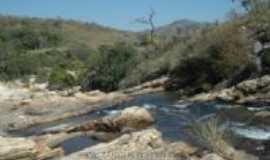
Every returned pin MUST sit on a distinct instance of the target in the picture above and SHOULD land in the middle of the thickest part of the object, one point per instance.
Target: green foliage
(26, 38)
(61, 78)
(229, 47)
(213, 57)
(209, 134)
(257, 19)
(193, 54)
(34, 46)
(266, 61)
(195, 71)
(109, 66)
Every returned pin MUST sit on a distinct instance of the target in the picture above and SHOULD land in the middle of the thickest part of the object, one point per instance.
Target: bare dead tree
(149, 20)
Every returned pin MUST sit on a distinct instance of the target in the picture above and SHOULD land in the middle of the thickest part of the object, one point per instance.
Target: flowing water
(171, 120)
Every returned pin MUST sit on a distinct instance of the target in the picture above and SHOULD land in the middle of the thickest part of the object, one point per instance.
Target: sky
(119, 14)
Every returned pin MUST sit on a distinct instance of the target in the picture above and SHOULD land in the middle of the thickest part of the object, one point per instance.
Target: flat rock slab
(17, 149)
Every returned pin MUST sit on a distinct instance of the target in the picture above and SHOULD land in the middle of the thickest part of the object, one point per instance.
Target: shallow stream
(172, 119)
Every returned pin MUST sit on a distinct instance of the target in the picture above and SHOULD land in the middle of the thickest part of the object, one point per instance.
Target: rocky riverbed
(71, 125)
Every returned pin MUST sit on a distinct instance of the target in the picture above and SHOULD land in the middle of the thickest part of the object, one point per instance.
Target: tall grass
(210, 135)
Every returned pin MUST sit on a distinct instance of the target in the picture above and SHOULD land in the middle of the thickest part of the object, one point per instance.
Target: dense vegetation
(57, 51)
(197, 56)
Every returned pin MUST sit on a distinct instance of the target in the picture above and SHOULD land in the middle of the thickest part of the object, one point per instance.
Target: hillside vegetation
(197, 56)
(53, 49)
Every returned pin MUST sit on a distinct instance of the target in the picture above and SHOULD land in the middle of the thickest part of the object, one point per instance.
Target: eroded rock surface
(146, 144)
(17, 149)
(250, 91)
(26, 149)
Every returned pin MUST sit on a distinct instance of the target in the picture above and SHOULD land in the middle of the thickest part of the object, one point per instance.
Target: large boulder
(134, 117)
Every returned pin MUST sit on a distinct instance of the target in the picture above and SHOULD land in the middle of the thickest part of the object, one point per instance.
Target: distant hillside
(67, 53)
(74, 32)
(179, 25)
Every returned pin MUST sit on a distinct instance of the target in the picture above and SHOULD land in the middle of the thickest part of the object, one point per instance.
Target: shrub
(214, 57)
(266, 61)
(208, 134)
(195, 72)
(109, 67)
(20, 65)
(60, 79)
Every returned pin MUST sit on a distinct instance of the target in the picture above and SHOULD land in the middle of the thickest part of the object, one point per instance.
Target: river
(172, 119)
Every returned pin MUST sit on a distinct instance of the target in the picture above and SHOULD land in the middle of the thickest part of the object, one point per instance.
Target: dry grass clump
(210, 135)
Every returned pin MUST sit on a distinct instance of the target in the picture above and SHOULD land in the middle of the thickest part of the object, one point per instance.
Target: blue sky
(119, 13)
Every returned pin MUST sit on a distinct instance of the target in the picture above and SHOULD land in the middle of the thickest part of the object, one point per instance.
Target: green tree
(109, 66)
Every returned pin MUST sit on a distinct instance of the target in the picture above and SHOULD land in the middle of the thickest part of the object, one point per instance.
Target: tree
(257, 22)
(109, 66)
(149, 20)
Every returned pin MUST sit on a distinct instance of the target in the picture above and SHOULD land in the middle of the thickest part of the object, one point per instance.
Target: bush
(60, 79)
(109, 66)
(195, 72)
(214, 57)
(25, 38)
(266, 61)
(20, 65)
(210, 135)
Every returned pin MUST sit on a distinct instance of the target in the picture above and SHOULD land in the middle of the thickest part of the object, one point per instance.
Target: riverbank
(51, 115)
(22, 107)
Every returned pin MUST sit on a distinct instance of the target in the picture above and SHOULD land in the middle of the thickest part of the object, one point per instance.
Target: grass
(209, 135)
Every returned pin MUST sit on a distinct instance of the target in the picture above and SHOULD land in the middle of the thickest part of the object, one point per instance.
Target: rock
(55, 140)
(97, 96)
(95, 93)
(263, 114)
(229, 95)
(203, 97)
(241, 155)
(24, 102)
(51, 154)
(128, 119)
(102, 136)
(156, 85)
(141, 144)
(255, 90)
(115, 95)
(264, 81)
(38, 87)
(262, 117)
(26, 149)
(248, 87)
(212, 157)
(134, 117)
(182, 149)
(17, 149)
(254, 85)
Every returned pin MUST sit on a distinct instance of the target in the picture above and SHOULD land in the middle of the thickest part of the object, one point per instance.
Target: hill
(197, 56)
(73, 32)
(36, 46)
(52, 49)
